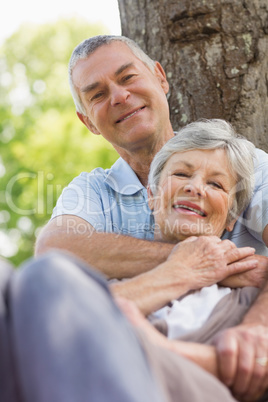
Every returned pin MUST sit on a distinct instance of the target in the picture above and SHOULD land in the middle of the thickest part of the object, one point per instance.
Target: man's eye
(97, 95)
(128, 77)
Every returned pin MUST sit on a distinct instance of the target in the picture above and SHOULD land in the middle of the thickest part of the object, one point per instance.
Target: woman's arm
(203, 355)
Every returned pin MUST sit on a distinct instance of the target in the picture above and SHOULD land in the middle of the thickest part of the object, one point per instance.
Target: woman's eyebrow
(182, 162)
(191, 166)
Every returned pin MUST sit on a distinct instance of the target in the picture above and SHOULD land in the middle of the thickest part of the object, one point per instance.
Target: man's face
(124, 101)
(195, 193)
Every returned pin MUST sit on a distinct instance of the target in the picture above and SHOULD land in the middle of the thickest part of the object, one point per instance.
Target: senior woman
(199, 183)
(206, 163)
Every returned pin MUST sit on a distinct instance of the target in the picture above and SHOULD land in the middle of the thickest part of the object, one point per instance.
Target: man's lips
(128, 115)
(190, 207)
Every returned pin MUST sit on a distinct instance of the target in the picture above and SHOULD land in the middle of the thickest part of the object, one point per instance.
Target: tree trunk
(215, 54)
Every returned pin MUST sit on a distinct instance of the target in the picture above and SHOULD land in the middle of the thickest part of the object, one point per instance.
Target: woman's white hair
(212, 134)
(88, 46)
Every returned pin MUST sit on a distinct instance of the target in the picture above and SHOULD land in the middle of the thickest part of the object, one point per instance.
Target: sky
(16, 12)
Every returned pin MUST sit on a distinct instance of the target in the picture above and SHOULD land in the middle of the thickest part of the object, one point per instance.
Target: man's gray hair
(88, 46)
(212, 134)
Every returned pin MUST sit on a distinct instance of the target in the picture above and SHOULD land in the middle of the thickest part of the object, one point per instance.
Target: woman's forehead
(193, 158)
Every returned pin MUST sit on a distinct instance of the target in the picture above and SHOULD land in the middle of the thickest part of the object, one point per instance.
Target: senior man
(103, 217)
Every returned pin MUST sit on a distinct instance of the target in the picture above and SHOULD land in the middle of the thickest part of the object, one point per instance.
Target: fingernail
(227, 382)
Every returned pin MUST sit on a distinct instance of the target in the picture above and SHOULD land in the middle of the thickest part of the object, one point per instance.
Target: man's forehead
(109, 52)
(109, 59)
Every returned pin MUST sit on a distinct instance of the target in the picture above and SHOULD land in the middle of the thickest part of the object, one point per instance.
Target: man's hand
(198, 262)
(242, 354)
(256, 277)
(192, 264)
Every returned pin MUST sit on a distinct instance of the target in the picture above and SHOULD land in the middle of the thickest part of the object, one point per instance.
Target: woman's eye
(181, 174)
(216, 185)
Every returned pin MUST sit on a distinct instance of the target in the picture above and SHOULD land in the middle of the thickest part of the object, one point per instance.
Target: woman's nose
(195, 188)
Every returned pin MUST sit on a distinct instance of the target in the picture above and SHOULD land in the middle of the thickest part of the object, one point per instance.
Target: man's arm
(256, 277)
(193, 264)
(265, 235)
(116, 256)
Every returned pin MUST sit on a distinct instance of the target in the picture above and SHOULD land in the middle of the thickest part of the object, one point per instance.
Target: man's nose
(118, 94)
(195, 187)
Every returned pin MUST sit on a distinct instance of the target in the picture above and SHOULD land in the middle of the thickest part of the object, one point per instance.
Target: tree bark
(215, 54)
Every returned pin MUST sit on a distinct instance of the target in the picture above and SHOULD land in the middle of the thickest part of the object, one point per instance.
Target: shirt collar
(122, 179)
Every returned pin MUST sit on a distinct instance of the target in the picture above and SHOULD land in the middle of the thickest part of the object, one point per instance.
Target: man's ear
(161, 75)
(150, 198)
(230, 225)
(85, 120)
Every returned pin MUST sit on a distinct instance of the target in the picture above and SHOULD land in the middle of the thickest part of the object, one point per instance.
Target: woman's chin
(176, 232)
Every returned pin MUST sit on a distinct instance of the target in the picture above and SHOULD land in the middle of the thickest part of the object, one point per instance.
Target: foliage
(42, 143)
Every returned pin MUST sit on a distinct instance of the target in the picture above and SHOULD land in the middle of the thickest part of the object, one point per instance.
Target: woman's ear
(150, 198)
(230, 225)
(85, 120)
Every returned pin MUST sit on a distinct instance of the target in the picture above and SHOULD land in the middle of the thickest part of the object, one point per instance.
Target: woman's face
(195, 193)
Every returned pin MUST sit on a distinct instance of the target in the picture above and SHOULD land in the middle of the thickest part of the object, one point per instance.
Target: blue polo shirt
(111, 200)
(115, 201)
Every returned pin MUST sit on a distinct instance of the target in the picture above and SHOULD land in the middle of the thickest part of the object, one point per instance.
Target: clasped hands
(242, 356)
(240, 352)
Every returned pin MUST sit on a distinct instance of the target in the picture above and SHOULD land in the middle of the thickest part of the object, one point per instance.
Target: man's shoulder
(261, 168)
(99, 173)
(261, 159)
(119, 178)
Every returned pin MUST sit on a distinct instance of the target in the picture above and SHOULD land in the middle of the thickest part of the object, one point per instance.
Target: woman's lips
(189, 208)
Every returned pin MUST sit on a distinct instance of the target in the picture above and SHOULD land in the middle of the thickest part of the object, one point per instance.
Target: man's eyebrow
(94, 85)
(123, 68)
(90, 87)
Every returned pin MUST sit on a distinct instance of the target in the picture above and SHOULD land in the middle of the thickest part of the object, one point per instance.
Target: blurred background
(43, 145)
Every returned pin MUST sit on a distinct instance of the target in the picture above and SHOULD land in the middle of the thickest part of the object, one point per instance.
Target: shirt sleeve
(83, 197)
(256, 215)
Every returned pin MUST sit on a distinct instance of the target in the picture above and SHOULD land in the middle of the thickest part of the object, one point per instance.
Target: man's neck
(141, 158)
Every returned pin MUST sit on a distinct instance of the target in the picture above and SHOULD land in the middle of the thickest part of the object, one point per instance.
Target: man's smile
(128, 115)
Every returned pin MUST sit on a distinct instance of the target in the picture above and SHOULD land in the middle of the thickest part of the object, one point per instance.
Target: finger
(245, 368)
(258, 383)
(236, 254)
(242, 266)
(259, 377)
(227, 354)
